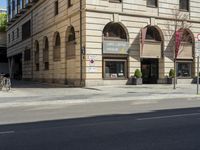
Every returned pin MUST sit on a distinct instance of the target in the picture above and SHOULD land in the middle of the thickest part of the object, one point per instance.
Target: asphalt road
(175, 129)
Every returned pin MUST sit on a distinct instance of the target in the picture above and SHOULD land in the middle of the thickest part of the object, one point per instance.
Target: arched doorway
(185, 55)
(115, 51)
(46, 53)
(37, 51)
(70, 55)
(57, 47)
(151, 54)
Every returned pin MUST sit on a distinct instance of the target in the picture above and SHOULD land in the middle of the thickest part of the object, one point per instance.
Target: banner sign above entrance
(115, 47)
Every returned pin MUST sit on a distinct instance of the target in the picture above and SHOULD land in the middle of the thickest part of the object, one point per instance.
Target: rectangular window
(152, 3)
(115, 1)
(27, 55)
(13, 36)
(184, 5)
(69, 3)
(8, 38)
(184, 69)
(56, 8)
(17, 32)
(46, 66)
(37, 66)
(26, 30)
(115, 68)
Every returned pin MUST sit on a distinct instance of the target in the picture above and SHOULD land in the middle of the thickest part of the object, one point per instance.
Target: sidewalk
(29, 93)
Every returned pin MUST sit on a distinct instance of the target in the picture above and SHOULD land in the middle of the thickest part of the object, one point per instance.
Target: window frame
(27, 54)
(13, 35)
(115, 1)
(56, 8)
(153, 6)
(26, 30)
(115, 60)
(183, 9)
(57, 47)
(190, 63)
(69, 3)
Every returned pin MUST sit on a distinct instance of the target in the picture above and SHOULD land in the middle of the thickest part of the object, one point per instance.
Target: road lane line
(7, 132)
(169, 116)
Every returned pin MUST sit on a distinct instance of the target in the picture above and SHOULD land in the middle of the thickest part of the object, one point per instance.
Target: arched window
(70, 42)
(153, 34)
(114, 31)
(56, 52)
(186, 36)
(37, 49)
(46, 54)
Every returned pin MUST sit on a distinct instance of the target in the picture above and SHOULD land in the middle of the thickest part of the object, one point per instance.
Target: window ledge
(152, 6)
(184, 10)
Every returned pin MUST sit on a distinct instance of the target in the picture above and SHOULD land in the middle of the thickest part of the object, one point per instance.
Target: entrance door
(149, 68)
(17, 69)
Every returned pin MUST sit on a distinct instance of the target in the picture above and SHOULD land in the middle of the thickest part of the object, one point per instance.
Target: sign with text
(115, 47)
(197, 48)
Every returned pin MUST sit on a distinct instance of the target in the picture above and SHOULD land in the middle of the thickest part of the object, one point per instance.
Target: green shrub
(138, 73)
(171, 73)
(3, 22)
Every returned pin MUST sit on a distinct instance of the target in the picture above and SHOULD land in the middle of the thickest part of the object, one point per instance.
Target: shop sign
(115, 47)
(92, 69)
(91, 60)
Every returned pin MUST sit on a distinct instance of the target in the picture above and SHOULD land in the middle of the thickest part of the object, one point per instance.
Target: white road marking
(169, 116)
(7, 132)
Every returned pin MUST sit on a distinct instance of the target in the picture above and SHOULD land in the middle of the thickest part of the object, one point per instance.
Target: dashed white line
(169, 116)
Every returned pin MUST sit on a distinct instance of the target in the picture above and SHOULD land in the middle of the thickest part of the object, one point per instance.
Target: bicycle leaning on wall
(5, 83)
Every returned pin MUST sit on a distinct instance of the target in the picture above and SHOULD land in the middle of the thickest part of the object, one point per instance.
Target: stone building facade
(100, 42)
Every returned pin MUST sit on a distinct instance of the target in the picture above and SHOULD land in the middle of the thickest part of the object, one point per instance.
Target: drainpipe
(81, 48)
(32, 43)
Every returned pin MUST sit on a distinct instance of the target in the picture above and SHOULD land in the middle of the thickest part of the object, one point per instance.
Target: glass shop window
(184, 69)
(115, 69)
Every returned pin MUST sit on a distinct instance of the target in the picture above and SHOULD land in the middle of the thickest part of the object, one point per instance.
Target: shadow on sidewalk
(31, 84)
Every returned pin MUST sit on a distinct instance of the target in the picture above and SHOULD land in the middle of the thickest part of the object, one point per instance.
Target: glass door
(149, 68)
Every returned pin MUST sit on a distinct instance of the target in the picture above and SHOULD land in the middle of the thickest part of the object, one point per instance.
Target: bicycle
(5, 83)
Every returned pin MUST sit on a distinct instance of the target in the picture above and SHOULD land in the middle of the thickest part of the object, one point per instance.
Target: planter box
(136, 81)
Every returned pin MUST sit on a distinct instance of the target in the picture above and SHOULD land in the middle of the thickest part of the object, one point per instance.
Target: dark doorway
(149, 68)
(17, 67)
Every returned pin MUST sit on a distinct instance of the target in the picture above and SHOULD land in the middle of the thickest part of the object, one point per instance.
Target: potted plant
(195, 79)
(170, 79)
(137, 79)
